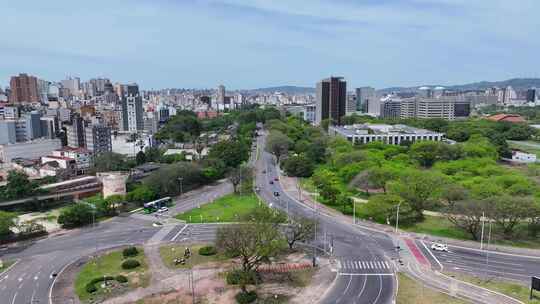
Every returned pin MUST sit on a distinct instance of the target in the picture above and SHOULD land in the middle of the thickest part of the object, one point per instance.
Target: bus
(154, 206)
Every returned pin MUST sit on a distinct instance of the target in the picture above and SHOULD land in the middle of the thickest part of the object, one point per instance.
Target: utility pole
(487, 249)
(482, 236)
(354, 212)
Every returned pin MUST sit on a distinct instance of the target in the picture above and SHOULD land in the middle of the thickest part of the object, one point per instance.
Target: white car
(163, 209)
(439, 247)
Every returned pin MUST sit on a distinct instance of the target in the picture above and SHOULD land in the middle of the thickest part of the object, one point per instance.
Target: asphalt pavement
(483, 263)
(363, 258)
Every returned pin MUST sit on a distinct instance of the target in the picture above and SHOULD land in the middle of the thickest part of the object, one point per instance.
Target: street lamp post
(396, 230)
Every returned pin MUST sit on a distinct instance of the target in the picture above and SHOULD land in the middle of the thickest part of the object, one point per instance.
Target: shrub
(235, 277)
(91, 288)
(207, 250)
(130, 252)
(130, 264)
(121, 279)
(246, 297)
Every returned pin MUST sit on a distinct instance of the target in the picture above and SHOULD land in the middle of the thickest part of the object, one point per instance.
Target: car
(163, 209)
(264, 171)
(439, 247)
(271, 182)
(257, 189)
(276, 193)
(276, 179)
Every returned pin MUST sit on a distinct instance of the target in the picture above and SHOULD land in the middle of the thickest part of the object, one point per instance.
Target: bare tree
(467, 215)
(239, 175)
(300, 229)
(253, 243)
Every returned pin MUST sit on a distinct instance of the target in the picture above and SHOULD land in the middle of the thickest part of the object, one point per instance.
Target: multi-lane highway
(364, 259)
(483, 263)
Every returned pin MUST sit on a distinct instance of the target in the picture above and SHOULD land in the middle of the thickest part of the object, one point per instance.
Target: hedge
(130, 252)
(121, 279)
(246, 297)
(130, 264)
(207, 250)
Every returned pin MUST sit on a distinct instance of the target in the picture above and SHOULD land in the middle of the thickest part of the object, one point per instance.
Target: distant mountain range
(291, 90)
(516, 83)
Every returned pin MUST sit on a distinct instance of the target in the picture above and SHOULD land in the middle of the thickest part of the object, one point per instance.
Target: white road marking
(14, 297)
(339, 264)
(348, 285)
(365, 274)
(179, 232)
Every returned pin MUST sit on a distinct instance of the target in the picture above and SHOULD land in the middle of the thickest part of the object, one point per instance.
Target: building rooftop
(380, 129)
(506, 117)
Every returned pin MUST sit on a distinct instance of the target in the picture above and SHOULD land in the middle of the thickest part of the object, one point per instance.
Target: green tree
(110, 161)
(7, 221)
(165, 181)
(378, 177)
(382, 208)
(141, 194)
(419, 189)
(278, 144)
(231, 152)
(76, 215)
(298, 165)
(140, 158)
(18, 185)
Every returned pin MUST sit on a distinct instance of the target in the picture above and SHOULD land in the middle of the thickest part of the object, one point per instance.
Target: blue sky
(258, 43)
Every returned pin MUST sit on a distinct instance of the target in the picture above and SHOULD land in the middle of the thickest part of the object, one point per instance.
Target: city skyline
(258, 44)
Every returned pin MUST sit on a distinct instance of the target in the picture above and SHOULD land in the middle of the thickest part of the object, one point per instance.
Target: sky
(259, 43)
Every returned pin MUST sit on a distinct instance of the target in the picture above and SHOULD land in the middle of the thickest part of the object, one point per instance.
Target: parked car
(276, 179)
(271, 182)
(276, 193)
(163, 209)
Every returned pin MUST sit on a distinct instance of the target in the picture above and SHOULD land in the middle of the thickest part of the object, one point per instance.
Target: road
(29, 281)
(481, 263)
(363, 257)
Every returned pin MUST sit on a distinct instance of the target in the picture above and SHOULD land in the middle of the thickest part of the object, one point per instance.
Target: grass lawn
(410, 292)
(437, 226)
(225, 209)
(520, 292)
(169, 252)
(110, 265)
(6, 265)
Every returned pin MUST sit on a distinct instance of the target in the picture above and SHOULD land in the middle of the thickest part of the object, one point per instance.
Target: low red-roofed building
(507, 118)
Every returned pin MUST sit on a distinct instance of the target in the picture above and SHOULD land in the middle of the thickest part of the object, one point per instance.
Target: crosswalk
(363, 265)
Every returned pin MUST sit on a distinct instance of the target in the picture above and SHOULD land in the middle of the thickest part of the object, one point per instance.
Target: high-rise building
(33, 125)
(331, 100)
(75, 132)
(531, 95)
(390, 109)
(73, 84)
(7, 132)
(221, 94)
(49, 126)
(351, 104)
(132, 109)
(98, 138)
(364, 96)
(24, 89)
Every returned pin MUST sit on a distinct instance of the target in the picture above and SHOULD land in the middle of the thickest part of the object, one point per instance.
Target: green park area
(442, 189)
(229, 208)
(412, 292)
(112, 274)
(514, 290)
